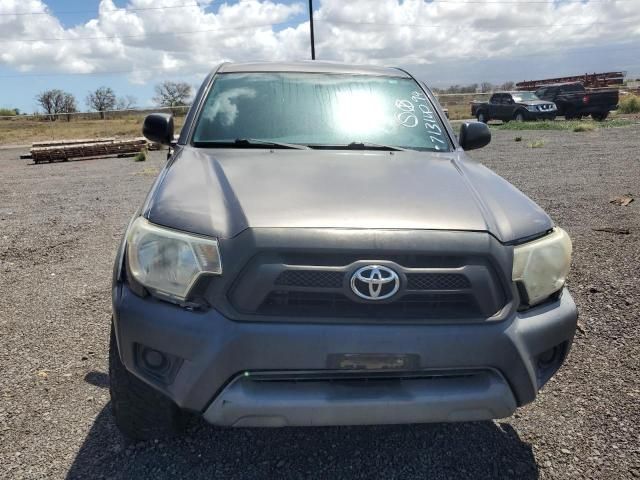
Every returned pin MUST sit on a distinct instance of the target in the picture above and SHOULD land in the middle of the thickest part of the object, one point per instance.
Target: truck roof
(311, 66)
(512, 92)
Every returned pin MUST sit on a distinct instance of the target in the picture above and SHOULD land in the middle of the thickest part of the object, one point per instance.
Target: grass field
(23, 131)
(459, 112)
(573, 125)
(19, 131)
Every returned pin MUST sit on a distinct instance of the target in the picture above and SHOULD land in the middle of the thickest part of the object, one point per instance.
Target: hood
(536, 102)
(221, 192)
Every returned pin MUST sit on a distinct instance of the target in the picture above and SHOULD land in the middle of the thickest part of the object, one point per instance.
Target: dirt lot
(59, 228)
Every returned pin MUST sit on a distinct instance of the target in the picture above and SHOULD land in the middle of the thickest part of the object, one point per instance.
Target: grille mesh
(310, 278)
(437, 281)
(331, 279)
(315, 304)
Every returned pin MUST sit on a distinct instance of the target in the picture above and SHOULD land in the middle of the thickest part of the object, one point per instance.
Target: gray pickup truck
(319, 250)
(518, 106)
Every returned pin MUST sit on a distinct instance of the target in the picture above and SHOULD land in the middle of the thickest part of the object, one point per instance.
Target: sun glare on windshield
(360, 113)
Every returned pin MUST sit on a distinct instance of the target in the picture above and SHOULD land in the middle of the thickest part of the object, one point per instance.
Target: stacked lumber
(89, 149)
(589, 80)
(60, 143)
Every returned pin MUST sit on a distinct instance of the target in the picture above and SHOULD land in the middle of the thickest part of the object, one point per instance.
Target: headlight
(541, 266)
(532, 108)
(168, 262)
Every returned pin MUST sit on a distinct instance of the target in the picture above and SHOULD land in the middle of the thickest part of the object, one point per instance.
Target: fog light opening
(154, 359)
(549, 361)
(546, 359)
(157, 365)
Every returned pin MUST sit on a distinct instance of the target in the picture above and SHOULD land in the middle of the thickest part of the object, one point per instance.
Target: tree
(101, 100)
(486, 87)
(508, 85)
(68, 105)
(473, 88)
(126, 102)
(172, 94)
(55, 102)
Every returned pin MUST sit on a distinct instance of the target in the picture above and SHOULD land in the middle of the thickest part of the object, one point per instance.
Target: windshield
(525, 97)
(320, 109)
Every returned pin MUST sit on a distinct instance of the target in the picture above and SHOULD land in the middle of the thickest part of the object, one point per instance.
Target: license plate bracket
(373, 361)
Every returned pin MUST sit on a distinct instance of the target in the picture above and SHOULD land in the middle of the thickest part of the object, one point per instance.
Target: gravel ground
(59, 228)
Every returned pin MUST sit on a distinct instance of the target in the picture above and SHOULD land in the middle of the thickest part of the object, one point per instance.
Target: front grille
(331, 304)
(312, 285)
(437, 281)
(310, 278)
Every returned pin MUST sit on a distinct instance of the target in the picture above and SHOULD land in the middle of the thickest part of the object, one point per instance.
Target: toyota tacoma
(319, 250)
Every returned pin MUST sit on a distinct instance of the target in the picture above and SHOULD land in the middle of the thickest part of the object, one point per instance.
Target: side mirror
(158, 128)
(474, 135)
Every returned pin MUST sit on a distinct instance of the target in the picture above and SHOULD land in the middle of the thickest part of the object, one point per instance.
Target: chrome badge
(375, 282)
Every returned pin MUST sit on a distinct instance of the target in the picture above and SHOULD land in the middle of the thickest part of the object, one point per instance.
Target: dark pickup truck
(574, 101)
(519, 106)
(320, 250)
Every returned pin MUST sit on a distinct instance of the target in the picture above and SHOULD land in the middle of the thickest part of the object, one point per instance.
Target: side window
(495, 98)
(508, 99)
(540, 93)
(574, 87)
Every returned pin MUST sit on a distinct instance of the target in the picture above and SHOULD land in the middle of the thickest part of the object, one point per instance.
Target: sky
(80, 45)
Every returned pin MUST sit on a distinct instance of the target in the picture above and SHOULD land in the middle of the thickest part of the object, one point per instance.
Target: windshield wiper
(360, 146)
(248, 143)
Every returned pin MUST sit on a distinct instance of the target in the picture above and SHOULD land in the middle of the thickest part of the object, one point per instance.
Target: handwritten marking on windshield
(408, 116)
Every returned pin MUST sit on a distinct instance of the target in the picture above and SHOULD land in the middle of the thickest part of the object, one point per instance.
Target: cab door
(508, 107)
(501, 106)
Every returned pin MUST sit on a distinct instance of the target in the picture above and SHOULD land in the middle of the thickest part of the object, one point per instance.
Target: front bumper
(276, 402)
(462, 371)
(540, 115)
(589, 109)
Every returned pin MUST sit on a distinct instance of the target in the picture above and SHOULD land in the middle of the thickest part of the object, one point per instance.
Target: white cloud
(154, 41)
(446, 31)
(142, 40)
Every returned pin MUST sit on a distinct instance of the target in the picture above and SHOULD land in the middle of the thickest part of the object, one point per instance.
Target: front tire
(519, 117)
(599, 116)
(141, 412)
(482, 117)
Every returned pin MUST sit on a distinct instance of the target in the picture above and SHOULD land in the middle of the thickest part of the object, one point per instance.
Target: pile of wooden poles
(64, 150)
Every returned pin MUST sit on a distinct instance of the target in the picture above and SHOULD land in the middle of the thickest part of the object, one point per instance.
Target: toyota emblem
(375, 282)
